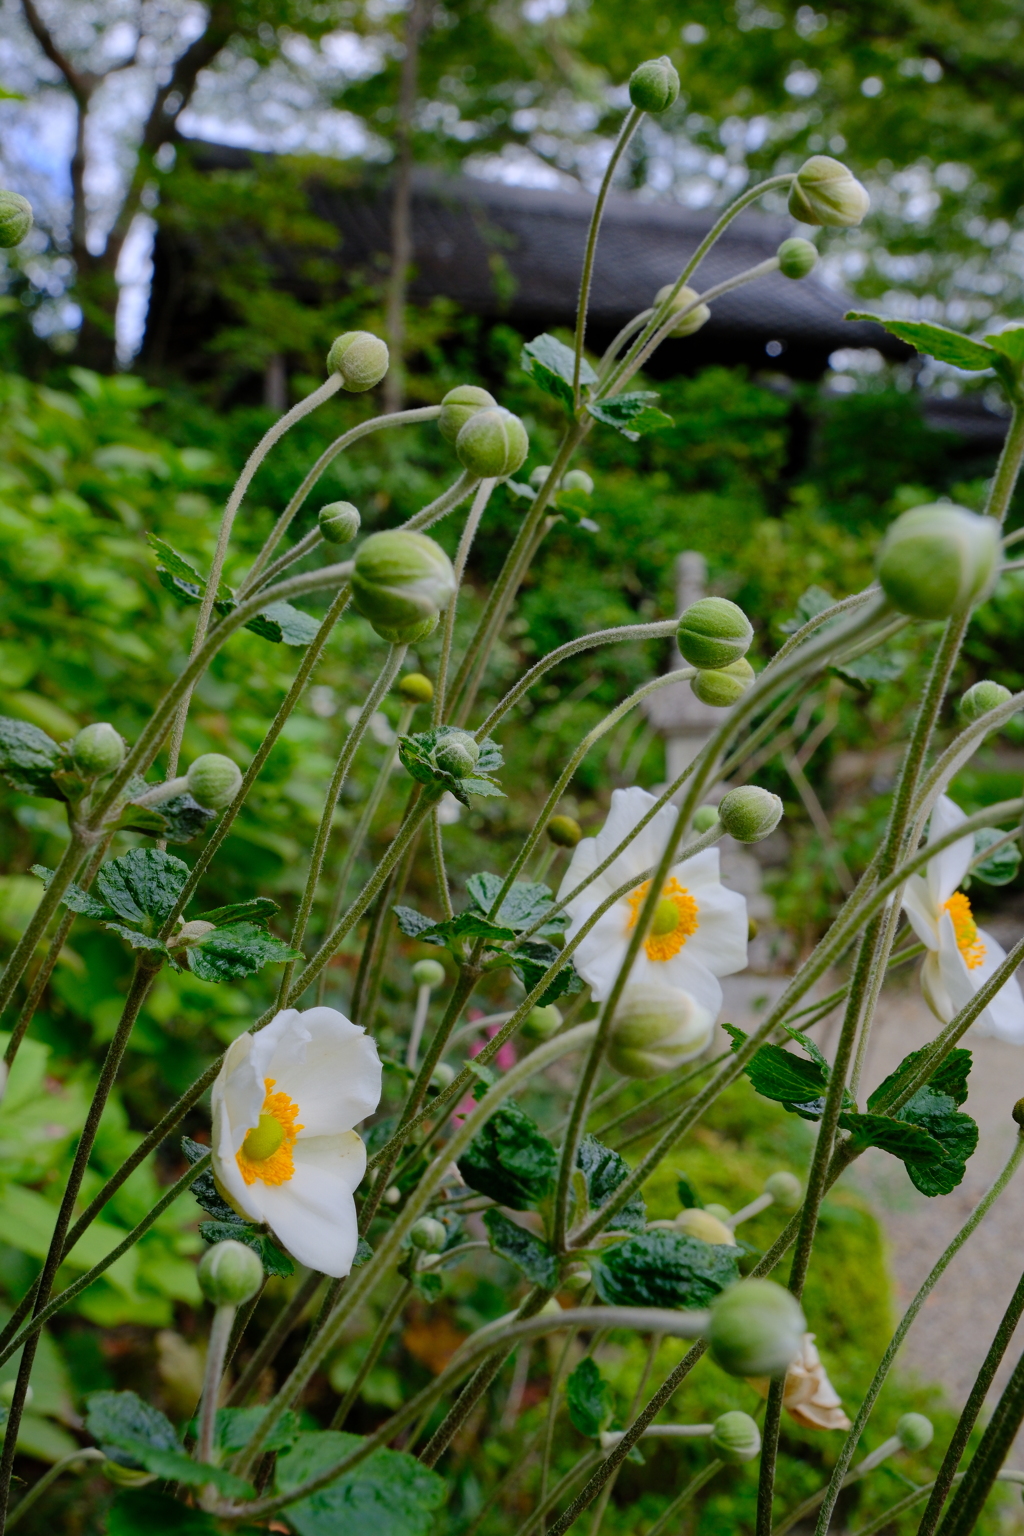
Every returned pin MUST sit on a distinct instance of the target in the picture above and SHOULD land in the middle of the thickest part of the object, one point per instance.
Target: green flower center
(666, 918)
(264, 1139)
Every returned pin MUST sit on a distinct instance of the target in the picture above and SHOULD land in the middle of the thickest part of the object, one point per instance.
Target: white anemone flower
(285, 1151)
(961, 956)
(699, 928)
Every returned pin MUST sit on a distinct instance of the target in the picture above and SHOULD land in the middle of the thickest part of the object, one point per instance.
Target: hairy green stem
(626, 132)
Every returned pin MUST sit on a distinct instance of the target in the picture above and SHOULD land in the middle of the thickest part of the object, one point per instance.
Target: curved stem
(305, 546)
(49, 1477)
(629, 127)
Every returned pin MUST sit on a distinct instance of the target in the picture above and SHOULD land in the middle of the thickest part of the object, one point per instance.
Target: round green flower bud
(1017, 1113)
(708, 1227)
(539, 475)
(214, 780)
(339, 522)
(457, 753)
(713, 632)
(693, 319)
(750, 814)
(785, 1189)
(98, 750)
(654, 85)
(401, 581)
(361, 358)
(492, 444)
(757, 1329)
(704, 818)
(797, 258)
(721, 1211)
(578, 480)
(736, 1438)
(938, 559)
(982, 699)
(724, 686)
(428, 973)
(825, 192)
(564, 832)
(443, 1076)
(542, 1023)
(429, 1234)
(15, 219)
(416, 688)
(657, 1028)
(458, 405)
(230, 1274)
(914, 1431)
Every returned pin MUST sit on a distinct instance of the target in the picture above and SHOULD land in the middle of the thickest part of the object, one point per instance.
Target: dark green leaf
(388, 1494)
(1010, 343)
(522, 1249)
(633, 415)
(604, 1170)
(141, 818)
(465, 925)
(474, 785)
(532, 958)
(688, 1197)
(950, 1078)
(274, 1262)
(240, 949)
(145, 1512)
(173, 563)
(363, 1253)
(413, 923)
(281, 622)
(664, 1269)
(204, 1192)
(908, 1142)
(778, 1074)
(935, 340)
(143, 885)
(136, 939)
(1001, 867)
(235, 1427)
(574, 504)
(550, 363)
(256, 910)
(29, 758)
(124, 1421)
(589, 1399)
(194, 1150)
(510, 1160)
(526, 903)
(808, 605)
(427, 1282)
(417, 756)
(809, 1048)
(176, 1467)
(74, 898)
(183, 819)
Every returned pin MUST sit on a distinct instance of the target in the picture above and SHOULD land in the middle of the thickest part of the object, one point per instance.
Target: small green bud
(429, 1234)
(693, 319)
(937, 559)
(656, 1029)
(428, 973)
(339, 522)
(458, 405)
(542, 1023)
(713, 632)
(361, 358)
(443, 1076)
(750, 814)
(825, 192)
(736, 1438)
(539, 475)
(724, 686)
(704, 818)
(230, 1274)
(564, 832)
(654, 85)
(707, 1226)
(915, 1432)
(578, 480)
(785, 1189)
(721, 1211)
(492, 444)
(416, 688)
(457, 753)
(97, 750)
(757, 1329)
(982, 699)
(15, 219)
(797, 258)
(1017, 1113)
(401, 581)
(214, 780)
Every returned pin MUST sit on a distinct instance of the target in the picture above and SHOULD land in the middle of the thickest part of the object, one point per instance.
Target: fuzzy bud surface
(564, 832)
(713, 633)
(756, 1329)
(785, 1189)
(750, 814)
(736, 1438)
(797, 258)
(15, 219)
(429, 1234)
(361, 358)
(724, 686)
(825, 192)
(458, 405)
(214, 780)
(915, 1431)
(654, 85)
(982, 699)
(230, 1274)
(656, 1029)
(492, 444)
(693, 319)
(401, 581)
(428, 973)
(339, 522)
(416, 688)
(542, 1023)
(98, 750)
(937, 559)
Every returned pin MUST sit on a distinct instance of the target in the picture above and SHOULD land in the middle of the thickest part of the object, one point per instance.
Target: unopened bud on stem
(785, 1189)
(982, 699)
(704, 818)
(361, 359)
(692, 321)
(714, 633)
(750, 814)
(724, 686)
(492, 444)
(400, 582)
(458, 405)
(797, 258)
(654, 85)
(339, 522)
(15, 219)
(98, 750)
(416, 688)
(756, 1329)
(542, 1023)
(914, 1431)
(429, 1234)
(564, 832)
(457, 753)
(230, 1274)
(825, 192)
(657, 1028)
(736, 1438)
(428, 973)
(938, 559)
(214, 781)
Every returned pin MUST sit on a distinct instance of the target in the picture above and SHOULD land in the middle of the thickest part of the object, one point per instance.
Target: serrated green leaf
(143, 885)
(176, 1467)
(474, 785)
(909, 1143)
(451, 933)
(589, 1399)
(141, 818)
(235, 1427)
(136, 939)
(935, 340)
(634, 415)
(280, 622)
(550, 364)
(949, 1078)
(531, 959)
(238, 949)
(526, 903)
(1001, 867)
(29, 759)
(511, 1161)
(74, 898)
(1010, 343)
(258, 909)
(604, 1170)
(124, 1421)
(417, 756)
(388, 1494)
(663, 1269)
(146, 1511)
(778, 1074)
(183, 818)
(204, 1190)
(808, 1046)
(275, 1263)
(522, 1248)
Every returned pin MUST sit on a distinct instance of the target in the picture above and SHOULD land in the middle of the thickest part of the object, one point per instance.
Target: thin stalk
(216, 1351)
(274, 1337)
(681, 1500)
(628, 331)
(372, 1355)
(48, 1478)
(664, 331)
(444, 895)
(1008, 468)
(515, 1471)
(546, 1504)
(299, 551)
(419, 1020)
(626, 132)
(968, 1502)
(484, 492)
(67, 869)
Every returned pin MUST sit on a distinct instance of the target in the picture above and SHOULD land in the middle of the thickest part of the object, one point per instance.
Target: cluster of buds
(401, 580)
(714, 636)
(490, 441)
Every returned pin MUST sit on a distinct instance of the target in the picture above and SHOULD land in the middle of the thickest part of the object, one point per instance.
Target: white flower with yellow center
(961, 956)
(699, 928)
(284, 1149)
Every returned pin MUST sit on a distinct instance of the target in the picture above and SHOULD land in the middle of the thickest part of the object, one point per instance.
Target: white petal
(280, 1044)
(683, 972)
(239, 1087)
(702, 870)
(335, 1074)
(627, 808)
(934, 988)
(946, 870)
(720, 942)
(584, 859)
(1004, 1016)
(314, 1214)
(225, 1141)
(603, 950)
(923, 916)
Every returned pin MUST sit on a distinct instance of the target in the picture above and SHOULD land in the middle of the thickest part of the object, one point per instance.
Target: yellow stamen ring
(266, 1152)
(674, 920)
(965, 930)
